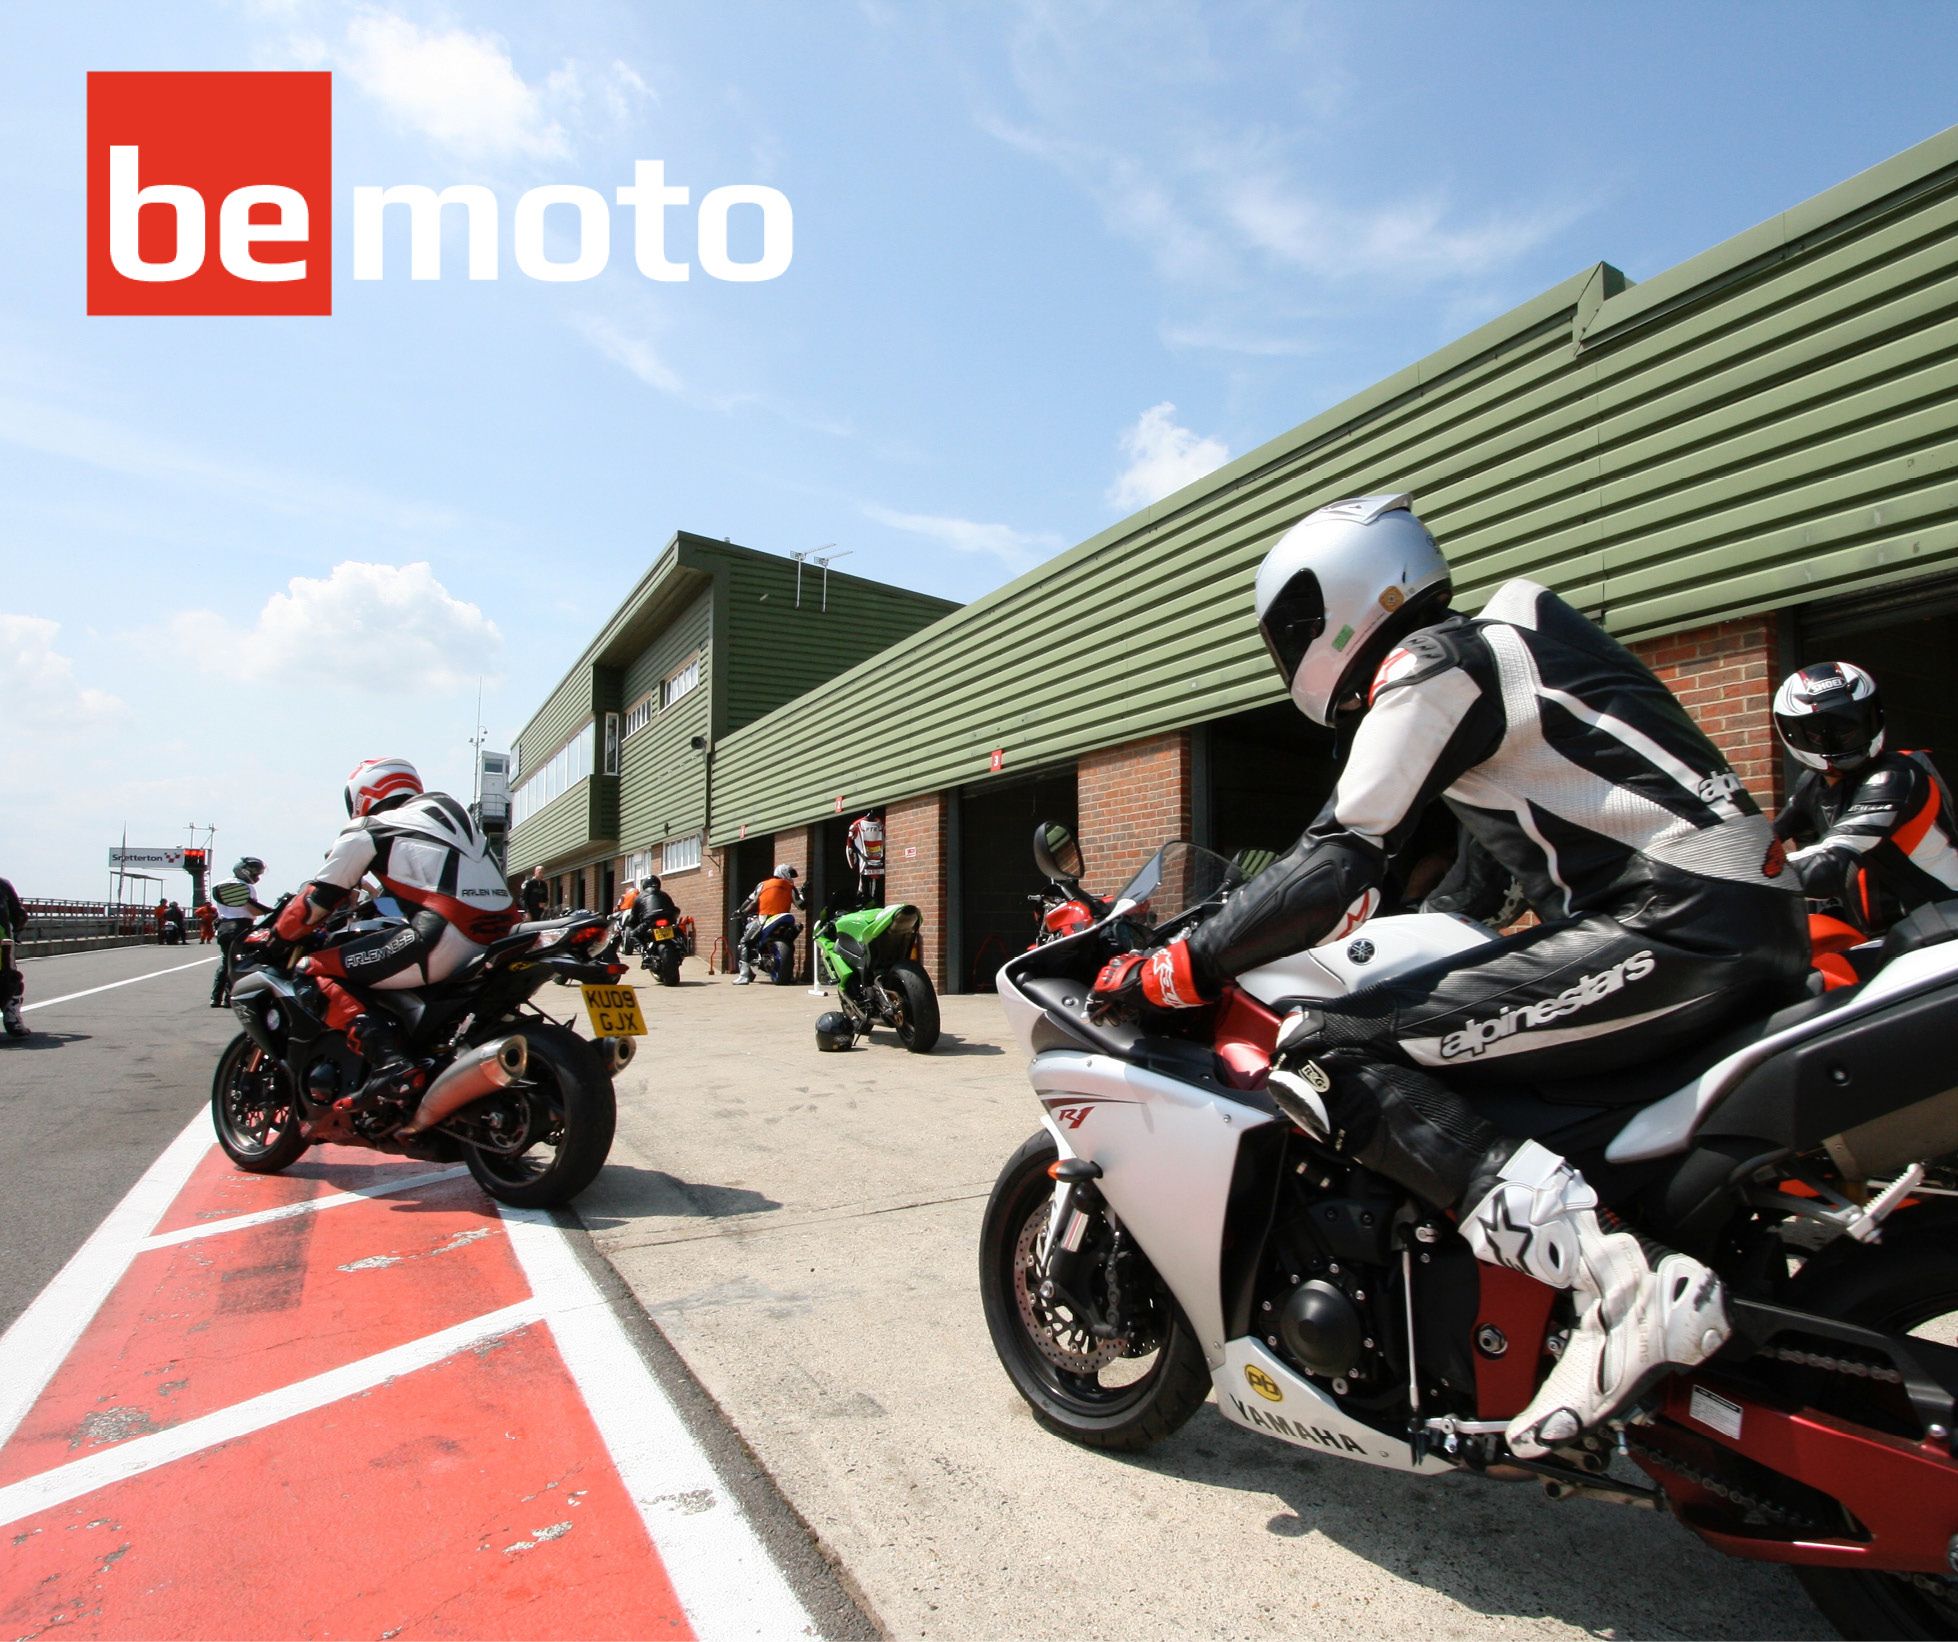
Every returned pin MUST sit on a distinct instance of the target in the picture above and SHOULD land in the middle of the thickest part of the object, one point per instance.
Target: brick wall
(914, 870)
(1726, 676)
(1132, 800)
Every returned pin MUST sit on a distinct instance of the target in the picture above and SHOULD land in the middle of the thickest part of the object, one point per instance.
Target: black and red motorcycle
(526, 1102)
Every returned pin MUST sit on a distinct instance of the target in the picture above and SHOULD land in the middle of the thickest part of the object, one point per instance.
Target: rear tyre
(1124, 1393)
(253, 1109)
(667, 972)
(916, 1011)
(781, 963)
(544, 1139)
(1904, 1285)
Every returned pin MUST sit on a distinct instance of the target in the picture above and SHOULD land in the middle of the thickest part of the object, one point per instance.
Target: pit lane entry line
(312, 1205)
(49, 1003)
(44, 1334)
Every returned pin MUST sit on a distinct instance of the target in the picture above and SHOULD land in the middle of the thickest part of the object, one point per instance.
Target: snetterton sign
(123, 856)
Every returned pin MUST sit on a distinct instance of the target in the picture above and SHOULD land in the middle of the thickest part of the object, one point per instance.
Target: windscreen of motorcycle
(1178, 878)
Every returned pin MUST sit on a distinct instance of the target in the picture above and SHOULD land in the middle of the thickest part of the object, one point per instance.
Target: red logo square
(210, 193)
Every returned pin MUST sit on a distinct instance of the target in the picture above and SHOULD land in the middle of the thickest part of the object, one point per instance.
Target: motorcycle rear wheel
(564, 1119)
(781, 963)
(1105, 1397)
(916, 1018)
(1905, 1286)
(253, 1109)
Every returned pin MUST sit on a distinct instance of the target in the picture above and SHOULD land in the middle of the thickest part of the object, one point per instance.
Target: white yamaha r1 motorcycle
(1167, 1233)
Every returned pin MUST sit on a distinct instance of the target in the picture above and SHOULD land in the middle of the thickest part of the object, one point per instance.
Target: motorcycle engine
(1331, 1297)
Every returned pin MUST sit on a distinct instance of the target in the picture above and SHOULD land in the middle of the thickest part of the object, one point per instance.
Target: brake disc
(1066, 1344)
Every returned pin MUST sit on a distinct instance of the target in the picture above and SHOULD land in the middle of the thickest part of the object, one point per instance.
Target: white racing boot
(1635, 1321)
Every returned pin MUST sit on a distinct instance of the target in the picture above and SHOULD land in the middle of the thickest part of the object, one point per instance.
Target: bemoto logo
(1476, 1036)
(213, 194)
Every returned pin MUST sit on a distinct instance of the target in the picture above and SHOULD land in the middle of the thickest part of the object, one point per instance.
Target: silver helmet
(1338, 589)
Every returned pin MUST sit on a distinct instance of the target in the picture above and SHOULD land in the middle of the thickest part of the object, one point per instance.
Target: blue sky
(1051, 260)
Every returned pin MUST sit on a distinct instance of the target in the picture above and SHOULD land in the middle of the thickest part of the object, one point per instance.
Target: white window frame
(639, 714)
(639, 864)
(680, 683)
(687, 851)
(562, 771)
(612, 739)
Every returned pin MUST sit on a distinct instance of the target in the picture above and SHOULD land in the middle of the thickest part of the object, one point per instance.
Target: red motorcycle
(1065, 907)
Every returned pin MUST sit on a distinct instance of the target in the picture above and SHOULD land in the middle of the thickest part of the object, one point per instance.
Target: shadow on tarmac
(41, 1040)
(1482, 1542)
(950, 1045)
(640, 1192)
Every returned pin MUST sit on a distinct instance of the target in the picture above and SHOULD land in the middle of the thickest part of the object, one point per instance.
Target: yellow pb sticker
(1262, 1383)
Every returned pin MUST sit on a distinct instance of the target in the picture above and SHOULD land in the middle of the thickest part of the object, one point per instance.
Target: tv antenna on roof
(808, 553)
(825, 562)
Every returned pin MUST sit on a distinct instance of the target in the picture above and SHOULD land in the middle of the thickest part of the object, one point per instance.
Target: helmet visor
(1831, 733)
(1295, 619)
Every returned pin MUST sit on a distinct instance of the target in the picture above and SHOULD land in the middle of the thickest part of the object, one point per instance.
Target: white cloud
(1162, 457)
(459, 89)
(1228, 339)
(79, 437)
(38, 683)
(1016, 549)
(379, 629)
(635, 353)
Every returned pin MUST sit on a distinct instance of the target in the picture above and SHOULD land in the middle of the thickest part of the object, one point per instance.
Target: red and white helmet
(377, 781)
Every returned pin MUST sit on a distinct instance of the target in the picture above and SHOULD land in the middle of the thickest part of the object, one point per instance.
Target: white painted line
(727, 1583)
(49, 1003)
(140, 1454)
(44, 1334)
(286, 1211)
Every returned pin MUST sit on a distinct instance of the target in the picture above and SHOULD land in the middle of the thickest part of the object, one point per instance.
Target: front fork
(1062, 1264)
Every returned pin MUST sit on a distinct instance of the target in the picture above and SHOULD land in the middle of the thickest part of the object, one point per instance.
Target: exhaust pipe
(481, 1072)
(617, 1053)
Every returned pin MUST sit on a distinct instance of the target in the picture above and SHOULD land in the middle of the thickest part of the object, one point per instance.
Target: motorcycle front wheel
(253, 1110)
(543, 1140)
(1122, 1393)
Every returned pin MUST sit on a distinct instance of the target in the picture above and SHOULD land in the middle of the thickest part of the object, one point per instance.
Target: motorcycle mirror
(1057, 852)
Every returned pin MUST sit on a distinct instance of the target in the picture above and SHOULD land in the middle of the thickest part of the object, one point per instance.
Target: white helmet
(1830, 716)
(785, 871)
(1339, 588)
(378, 781)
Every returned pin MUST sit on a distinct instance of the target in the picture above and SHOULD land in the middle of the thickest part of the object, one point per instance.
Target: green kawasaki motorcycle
(871, 958)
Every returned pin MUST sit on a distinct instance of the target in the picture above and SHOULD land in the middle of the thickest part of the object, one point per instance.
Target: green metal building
(613, 771)
(1745, 462)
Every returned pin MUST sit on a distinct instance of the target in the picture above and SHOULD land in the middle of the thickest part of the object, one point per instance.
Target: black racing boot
(393, 1080)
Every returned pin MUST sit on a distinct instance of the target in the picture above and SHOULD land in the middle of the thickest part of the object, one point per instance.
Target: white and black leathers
(1665, 903)
(434, 860)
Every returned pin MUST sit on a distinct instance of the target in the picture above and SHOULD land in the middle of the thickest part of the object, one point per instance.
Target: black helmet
(650, 881)
(249, 868)
(1830, 716)
(834, 1031)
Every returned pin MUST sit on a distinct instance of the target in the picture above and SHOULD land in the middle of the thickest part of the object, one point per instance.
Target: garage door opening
(995, 870)
(1907, 640)
(1261, 778)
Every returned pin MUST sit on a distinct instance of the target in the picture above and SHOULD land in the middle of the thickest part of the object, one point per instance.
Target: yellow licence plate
(663, 932)
(614, 1012)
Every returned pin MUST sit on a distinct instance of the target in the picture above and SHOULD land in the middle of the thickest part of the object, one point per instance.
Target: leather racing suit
(1892, 819)
(1664, 901)
(434, 860)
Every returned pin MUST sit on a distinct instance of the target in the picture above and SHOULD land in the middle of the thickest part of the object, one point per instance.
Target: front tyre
(914, 1015)
(253, 1109)
(1123, 1392)
(543, 1140)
